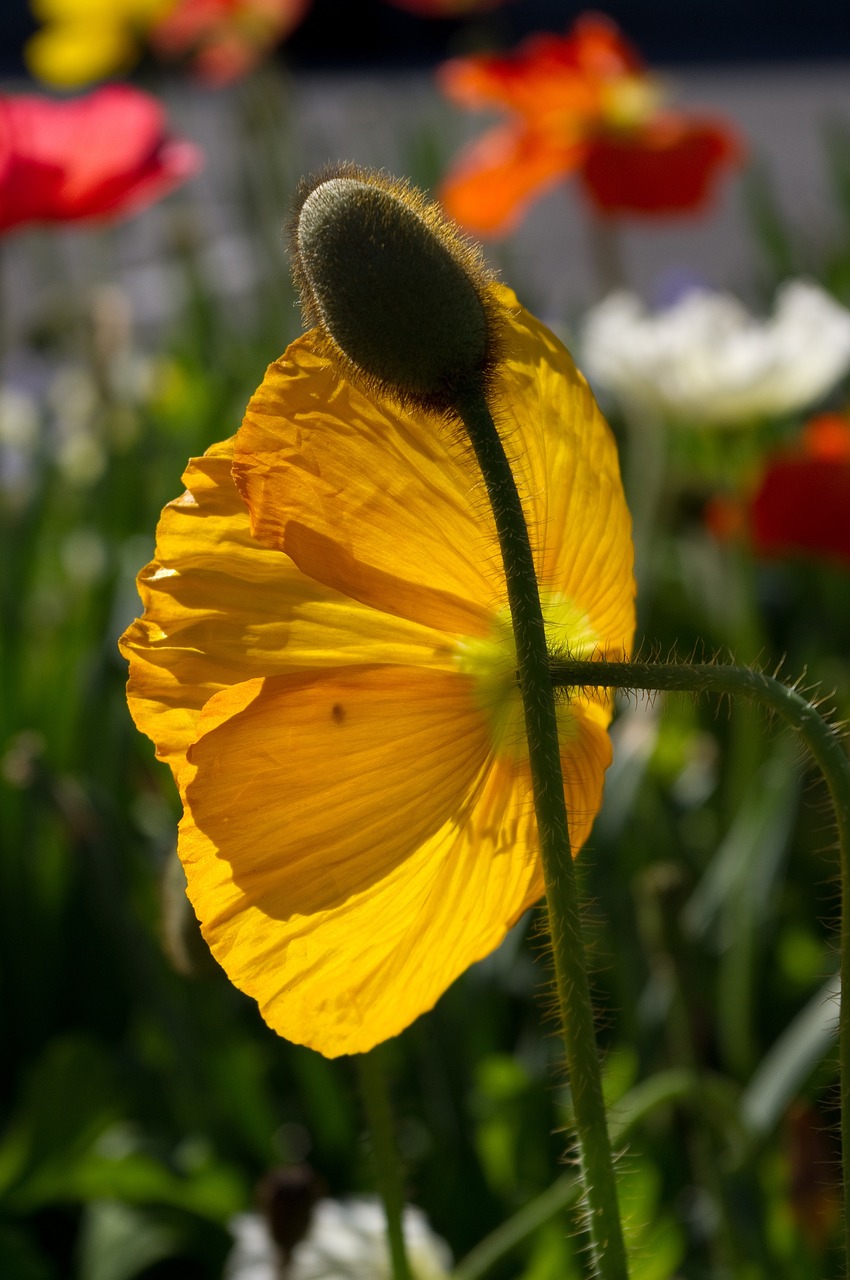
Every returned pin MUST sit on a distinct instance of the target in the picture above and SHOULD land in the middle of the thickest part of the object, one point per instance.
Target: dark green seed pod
(394, 288)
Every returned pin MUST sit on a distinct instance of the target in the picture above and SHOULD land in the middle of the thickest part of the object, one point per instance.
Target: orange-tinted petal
(376, 502)
(585, 755)
(347, 850)
(221, 608)
(668, 166)
(567, 468)
(351, 847)
(383, 506)
(496, 178)
(827, 436)
(545, 72)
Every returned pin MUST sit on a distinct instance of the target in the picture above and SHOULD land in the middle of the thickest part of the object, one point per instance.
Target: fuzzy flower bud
(397, 292)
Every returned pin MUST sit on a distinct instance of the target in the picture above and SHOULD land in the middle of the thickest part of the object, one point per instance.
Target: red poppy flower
(105, 155)
(801, 503)
(581, 103)
(224, 39)
(668, 166)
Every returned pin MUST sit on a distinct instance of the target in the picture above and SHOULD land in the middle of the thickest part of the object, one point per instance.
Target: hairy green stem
(712, 1095)
(376, 1103)
(538, 701)
(827, 747)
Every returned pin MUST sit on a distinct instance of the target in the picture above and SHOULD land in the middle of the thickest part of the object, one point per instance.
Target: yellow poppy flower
(326, 662)
(83, 41)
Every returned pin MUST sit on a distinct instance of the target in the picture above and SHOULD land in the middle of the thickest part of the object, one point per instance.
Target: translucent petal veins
(313, 663)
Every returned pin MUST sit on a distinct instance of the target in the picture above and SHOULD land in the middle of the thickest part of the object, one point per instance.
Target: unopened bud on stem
(394, 288)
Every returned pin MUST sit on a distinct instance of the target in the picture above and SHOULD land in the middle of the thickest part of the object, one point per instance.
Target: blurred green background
(143, 1100)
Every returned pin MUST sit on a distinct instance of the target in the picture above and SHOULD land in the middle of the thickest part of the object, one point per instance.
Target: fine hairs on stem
(402, 303)
(827, 746)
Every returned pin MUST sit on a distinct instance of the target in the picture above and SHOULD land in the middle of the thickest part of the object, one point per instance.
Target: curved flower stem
(827, 747)
(376, 1103)
(538, 700)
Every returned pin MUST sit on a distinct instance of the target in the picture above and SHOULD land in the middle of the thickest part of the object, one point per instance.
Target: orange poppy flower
(326, 662)
(579, 104)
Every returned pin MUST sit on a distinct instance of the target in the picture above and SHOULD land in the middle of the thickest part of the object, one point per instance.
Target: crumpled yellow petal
(386, 506)
(220, 608)
(382, 504)
(351, 847)
(566, 465)
(356, 833)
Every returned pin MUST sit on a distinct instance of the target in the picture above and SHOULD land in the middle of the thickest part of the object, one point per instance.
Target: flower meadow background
(144, 288)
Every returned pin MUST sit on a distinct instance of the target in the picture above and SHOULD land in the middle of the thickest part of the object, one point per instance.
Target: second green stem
(826, 746)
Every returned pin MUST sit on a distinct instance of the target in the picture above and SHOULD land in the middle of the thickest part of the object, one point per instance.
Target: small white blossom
(254, 1256)
(347, 1240)
(707, 361)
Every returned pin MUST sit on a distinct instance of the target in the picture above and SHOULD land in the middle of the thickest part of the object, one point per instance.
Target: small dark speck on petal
(338, 712)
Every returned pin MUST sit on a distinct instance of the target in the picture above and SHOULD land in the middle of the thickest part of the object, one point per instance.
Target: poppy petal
(545, 72)
(102, 155)
(346, 899)
(220, 608)
(567, 467)
(374, 501)
(346, 918)
(669, 166)
(802, 507)
(497, 177)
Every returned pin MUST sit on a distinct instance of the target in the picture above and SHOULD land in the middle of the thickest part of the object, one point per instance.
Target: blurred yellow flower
(83, 41)
(326, 662)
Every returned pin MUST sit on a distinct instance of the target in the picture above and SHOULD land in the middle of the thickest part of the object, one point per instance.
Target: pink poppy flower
(102, 156)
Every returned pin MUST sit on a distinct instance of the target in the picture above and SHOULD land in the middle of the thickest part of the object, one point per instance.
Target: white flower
(707, 361)
(347, 1240)
(254, 1256)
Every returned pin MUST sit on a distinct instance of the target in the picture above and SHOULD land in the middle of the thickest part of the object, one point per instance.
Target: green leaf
(791, 1059)
(118, 1242)
(71, 1097)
